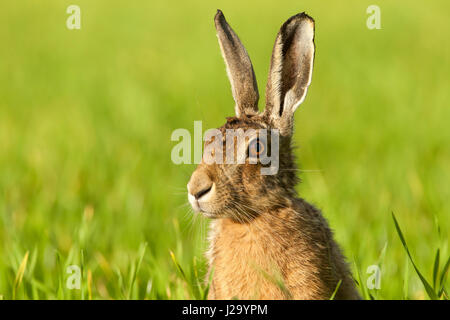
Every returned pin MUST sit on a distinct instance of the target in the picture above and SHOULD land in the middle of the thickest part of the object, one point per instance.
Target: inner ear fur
(290, 67)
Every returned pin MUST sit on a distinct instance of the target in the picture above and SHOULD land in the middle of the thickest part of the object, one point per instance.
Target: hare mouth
(197, 207)
(203, 211)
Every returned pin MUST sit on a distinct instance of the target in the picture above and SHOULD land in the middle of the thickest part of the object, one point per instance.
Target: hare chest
(244, 264)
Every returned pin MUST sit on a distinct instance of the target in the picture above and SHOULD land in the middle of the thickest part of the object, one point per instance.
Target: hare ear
(290, 69)
(239, 68)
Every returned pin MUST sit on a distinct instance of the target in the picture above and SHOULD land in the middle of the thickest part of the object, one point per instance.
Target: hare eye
(256, 148)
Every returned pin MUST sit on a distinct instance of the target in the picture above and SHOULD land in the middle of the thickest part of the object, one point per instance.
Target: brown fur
(290, 245)
(265, 241)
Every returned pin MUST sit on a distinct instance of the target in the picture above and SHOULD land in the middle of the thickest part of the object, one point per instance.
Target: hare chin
(198, 209)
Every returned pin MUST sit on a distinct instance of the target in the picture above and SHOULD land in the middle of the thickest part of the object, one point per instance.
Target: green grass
(86, 117)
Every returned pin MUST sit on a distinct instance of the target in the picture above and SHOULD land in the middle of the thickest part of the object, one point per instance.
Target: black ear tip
(220, 21)
(304, 16)
(219, 15)
(296, 20)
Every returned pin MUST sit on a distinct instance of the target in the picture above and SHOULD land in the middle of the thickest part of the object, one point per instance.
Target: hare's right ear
(290, 70)
(239, 68)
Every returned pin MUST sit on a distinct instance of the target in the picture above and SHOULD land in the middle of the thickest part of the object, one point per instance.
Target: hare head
(237, 186)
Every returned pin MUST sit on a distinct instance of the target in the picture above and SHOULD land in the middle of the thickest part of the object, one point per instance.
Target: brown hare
(265, 241)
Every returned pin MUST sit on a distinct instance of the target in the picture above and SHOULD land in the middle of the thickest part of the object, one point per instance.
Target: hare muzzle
(200, 190)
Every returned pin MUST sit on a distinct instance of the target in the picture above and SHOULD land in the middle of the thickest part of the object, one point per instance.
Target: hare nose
(201, 193)
(199, 184)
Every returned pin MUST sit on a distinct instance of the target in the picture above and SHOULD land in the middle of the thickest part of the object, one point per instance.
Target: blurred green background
(86, 117)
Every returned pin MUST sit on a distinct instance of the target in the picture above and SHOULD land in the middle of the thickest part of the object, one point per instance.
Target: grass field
(86, 117)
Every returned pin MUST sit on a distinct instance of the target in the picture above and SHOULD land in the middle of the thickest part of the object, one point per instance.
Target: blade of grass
(380, 264)
(183, 275)
(42, 287)
(82, 266)
(208, 285)
(120, 282)
(135, 269)
(362, 287)
(436, 269)
(406, 280)
(382, 255)
(19, 274)
(132, 274)
(59, 290)
(32, 266)
(425, 283)
(148, 289)
(444, 273)
(180, 269)
(89, 284)
(33, 261)
(336, 290)
(198, 290)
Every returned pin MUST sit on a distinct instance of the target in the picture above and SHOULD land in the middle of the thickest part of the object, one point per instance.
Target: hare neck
(244, 256)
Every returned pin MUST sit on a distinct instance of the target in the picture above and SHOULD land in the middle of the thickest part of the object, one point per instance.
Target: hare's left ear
(290, 70)
(239, 68)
